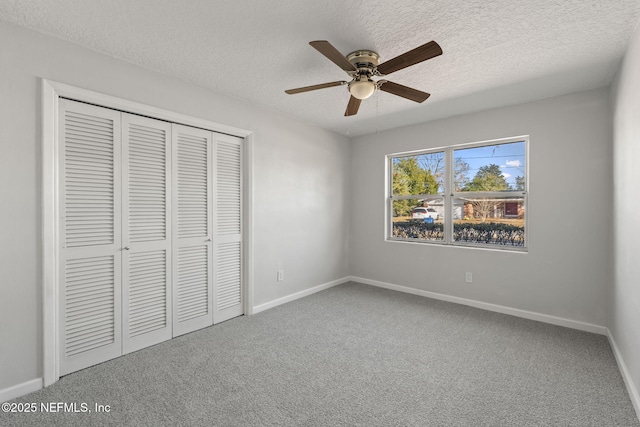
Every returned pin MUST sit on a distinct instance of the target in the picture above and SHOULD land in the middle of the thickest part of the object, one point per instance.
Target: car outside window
(466, 195)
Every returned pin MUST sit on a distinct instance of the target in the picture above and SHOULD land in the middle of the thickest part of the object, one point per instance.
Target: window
(468, 195)
(418, 182)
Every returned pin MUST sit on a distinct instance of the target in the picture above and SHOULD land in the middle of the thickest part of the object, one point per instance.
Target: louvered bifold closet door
(228, 301)
(192, 229)
(89, 235)
(146, 232)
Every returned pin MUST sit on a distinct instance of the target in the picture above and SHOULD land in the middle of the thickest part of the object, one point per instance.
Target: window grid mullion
(448, 200)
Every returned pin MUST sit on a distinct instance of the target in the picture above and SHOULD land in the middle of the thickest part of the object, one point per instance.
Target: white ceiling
(495, 52)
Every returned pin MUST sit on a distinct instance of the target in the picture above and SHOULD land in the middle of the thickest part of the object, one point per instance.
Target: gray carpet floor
(354, 355)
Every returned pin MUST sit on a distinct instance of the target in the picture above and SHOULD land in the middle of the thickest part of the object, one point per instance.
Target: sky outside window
(509, 158)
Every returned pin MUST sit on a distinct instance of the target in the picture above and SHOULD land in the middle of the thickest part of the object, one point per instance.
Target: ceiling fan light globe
(362, 89)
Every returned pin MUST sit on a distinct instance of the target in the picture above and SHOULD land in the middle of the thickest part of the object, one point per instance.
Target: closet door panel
(146, 233)
(149, 233)
(228, 300)
(192, 229)
(89, 235)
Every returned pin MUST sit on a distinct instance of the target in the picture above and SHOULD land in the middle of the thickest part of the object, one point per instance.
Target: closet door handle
(126, 248)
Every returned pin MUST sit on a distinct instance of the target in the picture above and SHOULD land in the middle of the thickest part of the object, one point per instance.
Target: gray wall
(319, 200)
(300, 182)
(567, 271)
(624, 321)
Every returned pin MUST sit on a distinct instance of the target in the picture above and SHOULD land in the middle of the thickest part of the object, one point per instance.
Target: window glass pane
(420, 219)
(499, 167)
(497, 221)
(418, 174)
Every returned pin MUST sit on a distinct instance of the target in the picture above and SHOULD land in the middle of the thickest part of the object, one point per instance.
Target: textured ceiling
(495, 52)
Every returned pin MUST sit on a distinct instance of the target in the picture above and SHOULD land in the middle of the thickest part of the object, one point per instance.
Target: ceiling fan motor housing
(365, 61)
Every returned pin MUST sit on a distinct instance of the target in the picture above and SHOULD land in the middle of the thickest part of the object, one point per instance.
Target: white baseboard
(20, 390)
(298, 295)
(568, 323)
(626, 376)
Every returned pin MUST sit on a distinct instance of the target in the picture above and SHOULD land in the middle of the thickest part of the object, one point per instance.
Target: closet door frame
(51, 92)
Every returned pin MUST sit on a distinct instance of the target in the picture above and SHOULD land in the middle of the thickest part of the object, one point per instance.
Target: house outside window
(466, 195)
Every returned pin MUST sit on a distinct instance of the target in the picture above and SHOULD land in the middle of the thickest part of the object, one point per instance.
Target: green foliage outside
(410, 178)
(423, 174)
(488, 178)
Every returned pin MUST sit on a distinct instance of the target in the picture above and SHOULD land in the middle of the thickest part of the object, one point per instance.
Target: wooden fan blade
(407, 59)
(404, 91)
(352, 106)
(314, 87)
(327, 49)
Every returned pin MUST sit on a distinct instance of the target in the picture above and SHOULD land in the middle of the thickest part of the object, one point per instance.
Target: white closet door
(146, 235)
(89, 235)
(228, 301)
(192, 229)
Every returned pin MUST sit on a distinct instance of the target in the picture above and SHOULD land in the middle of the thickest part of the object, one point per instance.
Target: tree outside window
(477, 192)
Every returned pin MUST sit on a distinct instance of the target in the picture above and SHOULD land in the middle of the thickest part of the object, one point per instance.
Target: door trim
(51, 92)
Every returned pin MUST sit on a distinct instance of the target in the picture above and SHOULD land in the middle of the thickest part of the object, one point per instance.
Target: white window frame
(449, 195)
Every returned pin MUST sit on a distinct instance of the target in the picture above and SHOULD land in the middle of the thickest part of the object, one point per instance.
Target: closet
(150, 231)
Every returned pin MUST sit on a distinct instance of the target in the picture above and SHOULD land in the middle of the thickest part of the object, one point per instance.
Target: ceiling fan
(361, 65)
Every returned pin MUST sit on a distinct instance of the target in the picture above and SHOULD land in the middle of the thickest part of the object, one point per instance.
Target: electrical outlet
(280, 275)
(468, 277)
